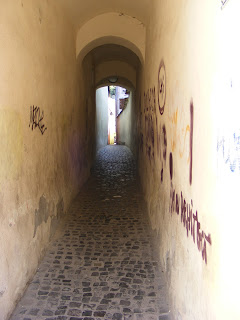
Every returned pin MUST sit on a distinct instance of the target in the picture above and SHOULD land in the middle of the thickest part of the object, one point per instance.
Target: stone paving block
(103, 263)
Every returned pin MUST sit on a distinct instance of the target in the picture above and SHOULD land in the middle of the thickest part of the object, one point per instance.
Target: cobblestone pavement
(102, 265)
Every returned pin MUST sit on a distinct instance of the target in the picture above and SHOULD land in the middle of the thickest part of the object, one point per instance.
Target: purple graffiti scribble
(223, 2)
(228, 147)
(161, 87)
(171, 165)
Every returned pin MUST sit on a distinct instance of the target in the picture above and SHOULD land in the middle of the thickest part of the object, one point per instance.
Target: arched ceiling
(80, 11)
(121, 82)
(114, 28)
(114, 60)
(113, 33)
(110, 52)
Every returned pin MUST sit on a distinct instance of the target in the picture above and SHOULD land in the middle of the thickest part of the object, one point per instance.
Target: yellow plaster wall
(191, 53)
(192, 57)
(44, 156)
(112, 27)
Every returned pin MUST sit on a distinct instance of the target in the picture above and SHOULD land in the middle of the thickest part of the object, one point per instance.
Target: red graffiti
(190, 221)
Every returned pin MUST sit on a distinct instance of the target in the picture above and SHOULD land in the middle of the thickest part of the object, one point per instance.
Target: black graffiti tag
(36, 118)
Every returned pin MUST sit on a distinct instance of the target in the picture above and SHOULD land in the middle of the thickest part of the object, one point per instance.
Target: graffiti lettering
(190, 222)
(162, 175)
(178, 203)
(223, 2)
(150, 116)
(149, 100)
(228, 146)
(149, 111)
(161, 87)
(164, 142)
(149, 133)
(36, 117)
(171, 165)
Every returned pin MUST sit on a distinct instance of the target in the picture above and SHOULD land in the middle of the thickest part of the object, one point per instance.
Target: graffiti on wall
(171, 165)
(36, 119)
(223, 3)
(161, 87)
(179, 140)
(151, 98)
(190, 221)
(149, 101)
(178, 204)
(164, 133)
(228, 149)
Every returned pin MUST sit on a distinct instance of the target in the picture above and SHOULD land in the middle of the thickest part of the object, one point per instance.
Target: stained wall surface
(189, 152)
(44, 159)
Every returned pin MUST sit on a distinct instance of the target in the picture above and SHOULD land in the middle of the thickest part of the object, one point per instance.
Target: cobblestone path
(102, 263)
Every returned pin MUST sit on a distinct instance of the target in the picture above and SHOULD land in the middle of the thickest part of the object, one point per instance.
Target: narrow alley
(101, 264)
(96, 232)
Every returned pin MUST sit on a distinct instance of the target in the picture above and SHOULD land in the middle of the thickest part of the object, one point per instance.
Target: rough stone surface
(101, 263)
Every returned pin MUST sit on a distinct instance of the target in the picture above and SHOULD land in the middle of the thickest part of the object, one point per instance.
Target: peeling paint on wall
(46, 210)
(55, 219)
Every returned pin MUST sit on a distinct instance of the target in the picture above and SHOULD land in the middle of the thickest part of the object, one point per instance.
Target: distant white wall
(101, 117)
(126, 122)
